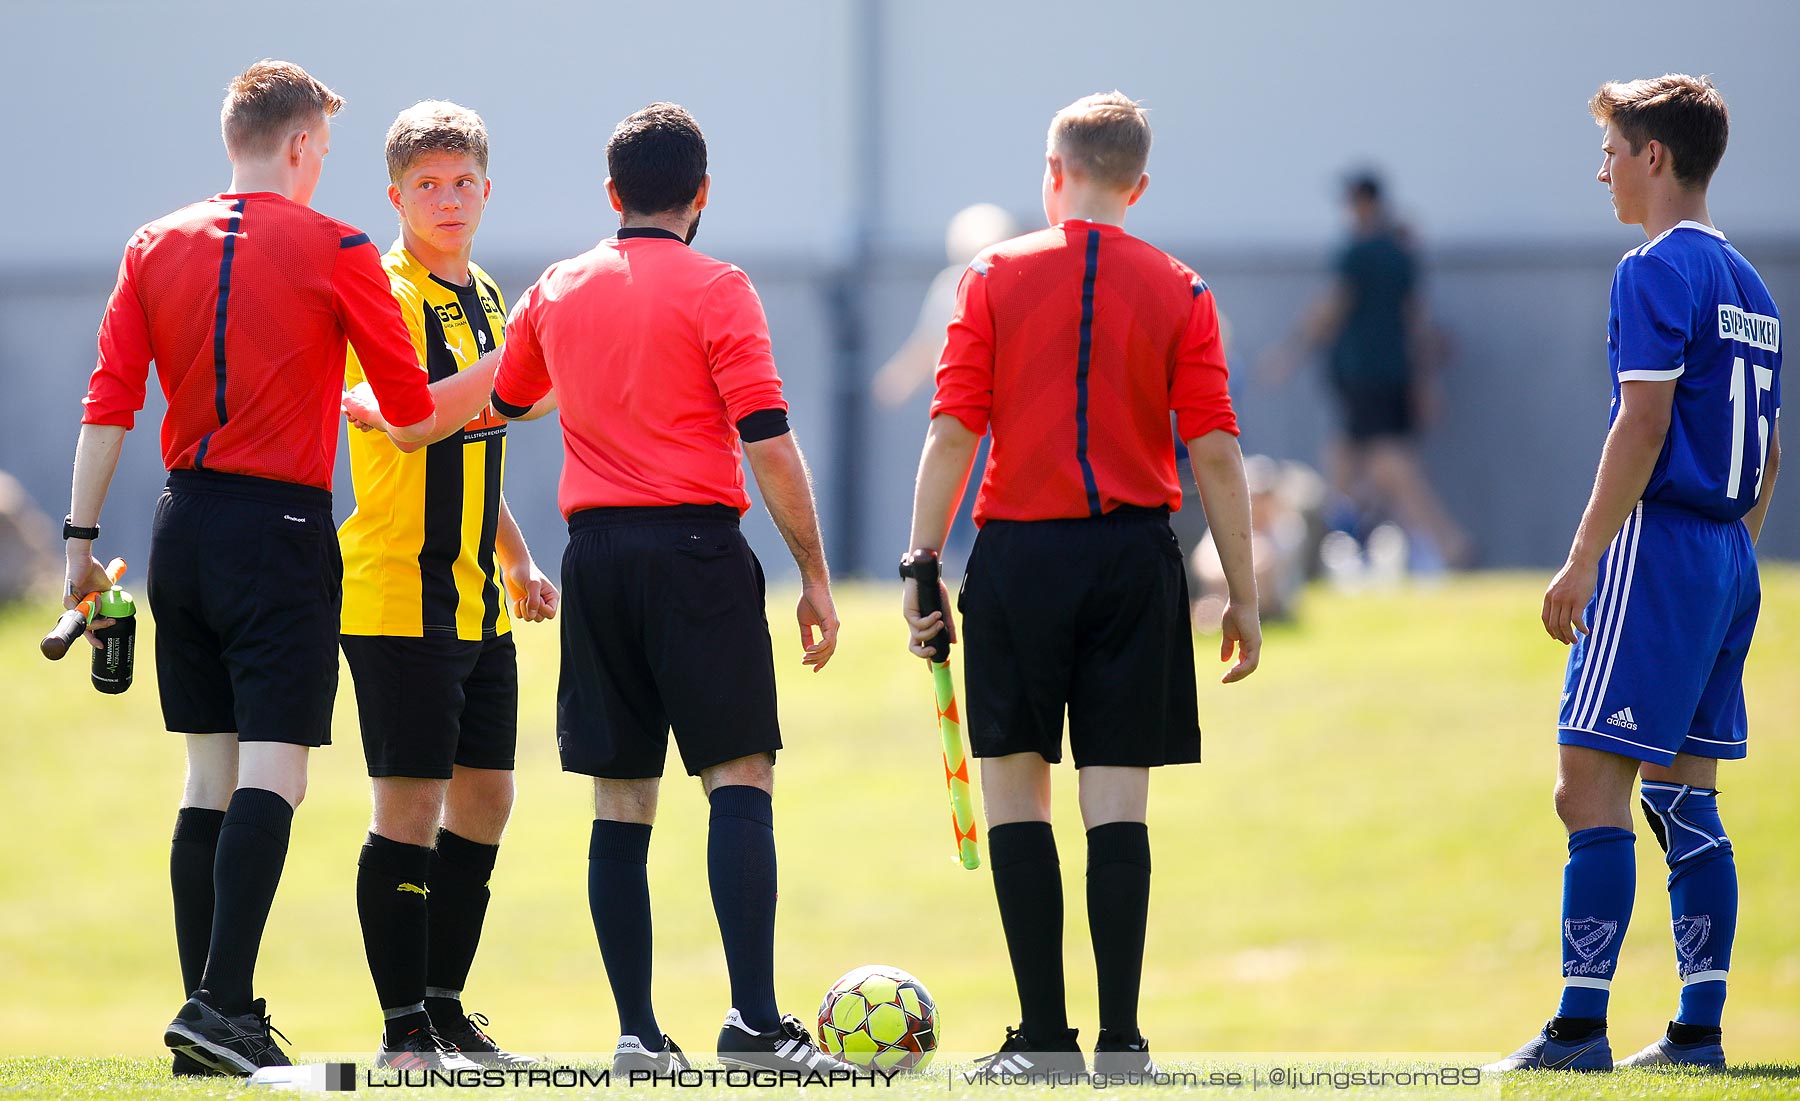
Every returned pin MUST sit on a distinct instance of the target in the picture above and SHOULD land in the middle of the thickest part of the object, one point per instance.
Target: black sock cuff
(261, 808)
(1021, 843)
(407, 863)
(1575, 1029)
(465, 855)
(1119, 843)
(743, 801)
(620, 842)
(1693, 1034)
(198, 825)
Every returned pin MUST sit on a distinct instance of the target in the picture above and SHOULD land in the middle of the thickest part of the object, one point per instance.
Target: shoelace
(675, 1053)
(269, 1026)
(1013, 1036)
(478, 1022)
(794, 1030)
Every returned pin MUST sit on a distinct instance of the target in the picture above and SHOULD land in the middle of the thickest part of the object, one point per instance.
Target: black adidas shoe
(789, 1047)
(1117, 1057)
(421, 1049)
(186, 1066)
(632, 1057)
(469, 1036)
(237, 1044)
(1023, 1060)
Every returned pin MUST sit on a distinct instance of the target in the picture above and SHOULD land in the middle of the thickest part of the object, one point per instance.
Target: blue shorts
(1661, 669)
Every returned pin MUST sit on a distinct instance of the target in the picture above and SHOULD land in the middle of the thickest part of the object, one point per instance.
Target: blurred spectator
(1383, 358)
(1285, 507)
(28, 555)
(971, 230)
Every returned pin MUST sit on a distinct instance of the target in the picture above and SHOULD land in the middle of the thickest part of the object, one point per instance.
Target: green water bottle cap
(116, 603)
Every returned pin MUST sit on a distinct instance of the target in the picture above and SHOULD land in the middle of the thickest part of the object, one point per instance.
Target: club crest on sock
(1690, 936)
(1589, 937)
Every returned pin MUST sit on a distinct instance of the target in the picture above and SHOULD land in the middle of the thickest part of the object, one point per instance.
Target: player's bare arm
(944, 468)
(786, 487)
(96, 458)
(1318, 327)
(1225, 497)
(534, 598)
(1771, 465)
(459, 397)
(1626, 463)
(365, 414)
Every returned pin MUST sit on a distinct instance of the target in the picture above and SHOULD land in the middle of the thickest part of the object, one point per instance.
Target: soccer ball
(880, 1017)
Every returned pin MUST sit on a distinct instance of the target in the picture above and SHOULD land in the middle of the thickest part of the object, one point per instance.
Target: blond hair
(266, 103)
(434, 126)
(1105, 137)
(1685, 113)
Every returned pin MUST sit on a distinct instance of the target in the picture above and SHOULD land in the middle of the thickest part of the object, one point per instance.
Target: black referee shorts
(428, 704)
(246, 585)
(662, 625)
(1089, 615)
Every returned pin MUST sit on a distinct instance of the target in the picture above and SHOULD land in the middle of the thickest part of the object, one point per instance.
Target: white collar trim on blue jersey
(1686, 223)
(1701, 226)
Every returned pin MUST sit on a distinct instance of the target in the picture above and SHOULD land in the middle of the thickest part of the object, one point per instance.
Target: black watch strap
(70, 531)
(910, 560)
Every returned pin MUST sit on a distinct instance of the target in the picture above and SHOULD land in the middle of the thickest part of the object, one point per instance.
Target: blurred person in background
(1284, 500)
(1382, 355)
(27, 544)
(972, 229)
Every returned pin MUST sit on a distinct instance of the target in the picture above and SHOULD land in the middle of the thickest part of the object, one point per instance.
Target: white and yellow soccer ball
(879, 1017)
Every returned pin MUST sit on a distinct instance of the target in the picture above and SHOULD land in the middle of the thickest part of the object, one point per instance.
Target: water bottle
(111, 672)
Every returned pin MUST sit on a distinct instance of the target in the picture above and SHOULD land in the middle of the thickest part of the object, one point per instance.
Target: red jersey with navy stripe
(245, 303)
(1073, 345)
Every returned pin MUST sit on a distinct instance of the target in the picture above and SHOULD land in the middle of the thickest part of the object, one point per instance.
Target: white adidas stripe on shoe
(788, 1047)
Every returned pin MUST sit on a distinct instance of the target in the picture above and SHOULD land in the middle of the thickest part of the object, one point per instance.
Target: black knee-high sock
(1118, 901)
(740, 866)
(619, 899)
(253, 843)
(1028, 884)
(391, 903)
(191, 854)
(460, 869)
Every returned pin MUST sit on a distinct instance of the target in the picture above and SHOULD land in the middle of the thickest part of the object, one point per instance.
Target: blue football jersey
(1687, 306)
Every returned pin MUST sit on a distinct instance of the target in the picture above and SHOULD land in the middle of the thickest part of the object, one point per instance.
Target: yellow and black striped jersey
(419, 549)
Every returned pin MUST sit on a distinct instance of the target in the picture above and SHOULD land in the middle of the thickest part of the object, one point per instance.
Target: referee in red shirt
(659, 356)
(244, 301)
(1073, 345)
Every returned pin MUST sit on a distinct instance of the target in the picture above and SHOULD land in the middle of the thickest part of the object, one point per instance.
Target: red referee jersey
(1073, 345)
(245, 302)
(657, 354)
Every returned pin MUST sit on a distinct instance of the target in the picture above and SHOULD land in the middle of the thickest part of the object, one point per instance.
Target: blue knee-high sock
(1598, 884)
(740, 866)
(1703, 894)
(619, 899)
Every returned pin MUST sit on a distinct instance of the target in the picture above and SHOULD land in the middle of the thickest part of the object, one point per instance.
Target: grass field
(1368, 862)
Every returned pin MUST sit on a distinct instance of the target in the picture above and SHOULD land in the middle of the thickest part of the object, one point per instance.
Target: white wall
(1477, 111)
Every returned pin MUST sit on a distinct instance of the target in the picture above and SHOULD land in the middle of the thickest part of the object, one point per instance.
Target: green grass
(1367, 862)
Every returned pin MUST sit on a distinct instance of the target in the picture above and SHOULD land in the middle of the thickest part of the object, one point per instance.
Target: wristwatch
(909, 560)
(70, 531)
